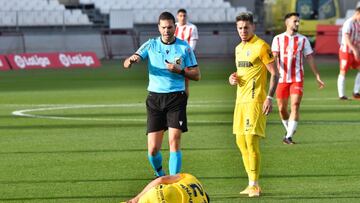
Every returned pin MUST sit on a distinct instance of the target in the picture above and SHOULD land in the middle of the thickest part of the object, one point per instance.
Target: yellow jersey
(188, 189)
(251, 59)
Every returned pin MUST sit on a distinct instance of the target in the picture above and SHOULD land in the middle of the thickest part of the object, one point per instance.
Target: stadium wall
(214, 41)
(52, 42)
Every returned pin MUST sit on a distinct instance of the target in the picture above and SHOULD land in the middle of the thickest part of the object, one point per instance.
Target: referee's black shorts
(166, 110)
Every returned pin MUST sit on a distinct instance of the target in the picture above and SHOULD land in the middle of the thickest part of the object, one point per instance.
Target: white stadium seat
(144, 11)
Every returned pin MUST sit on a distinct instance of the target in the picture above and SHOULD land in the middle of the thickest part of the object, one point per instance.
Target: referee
(170, 62)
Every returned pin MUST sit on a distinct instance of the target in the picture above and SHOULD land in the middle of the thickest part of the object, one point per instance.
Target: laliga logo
(1, 64)
(78, 59)
(35, 60)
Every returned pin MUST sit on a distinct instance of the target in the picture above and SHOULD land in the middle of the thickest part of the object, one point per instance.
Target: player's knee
(153, 150)
(174, 145)
(295, 106)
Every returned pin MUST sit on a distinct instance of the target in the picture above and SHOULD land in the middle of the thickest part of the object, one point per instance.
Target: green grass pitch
(85, 141)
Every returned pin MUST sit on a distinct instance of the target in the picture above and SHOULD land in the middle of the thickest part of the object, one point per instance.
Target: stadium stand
(54, 13)
(147, 11)
(39, 13)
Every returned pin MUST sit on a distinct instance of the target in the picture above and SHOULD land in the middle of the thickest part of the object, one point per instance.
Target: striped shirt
(188, 33)
(352, 28)
(290, 50)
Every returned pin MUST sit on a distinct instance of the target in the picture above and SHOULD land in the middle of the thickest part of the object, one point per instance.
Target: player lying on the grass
(179, 188)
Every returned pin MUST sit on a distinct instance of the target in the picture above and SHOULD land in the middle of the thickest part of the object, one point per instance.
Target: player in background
(349, 54)
(180, 188)
(166, 102)
(289, 48)
(186, 31)
(253, 60)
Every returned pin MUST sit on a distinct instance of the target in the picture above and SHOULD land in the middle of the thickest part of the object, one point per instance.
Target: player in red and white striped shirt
(185, 30)
(188, 32)
(289, 48)
(349, 54)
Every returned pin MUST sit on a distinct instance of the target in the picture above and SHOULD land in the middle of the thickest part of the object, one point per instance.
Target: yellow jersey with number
(188, 189)
(251, 59)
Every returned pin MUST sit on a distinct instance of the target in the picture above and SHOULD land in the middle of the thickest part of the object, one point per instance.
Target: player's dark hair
(245, 17)
(357, 10)
(181, 10)
(289, 15)
(166, 16)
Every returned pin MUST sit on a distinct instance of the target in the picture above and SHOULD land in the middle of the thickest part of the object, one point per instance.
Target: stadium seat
(7, 18)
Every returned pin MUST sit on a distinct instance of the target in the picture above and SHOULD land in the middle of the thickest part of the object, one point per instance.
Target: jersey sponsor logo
(244, 64)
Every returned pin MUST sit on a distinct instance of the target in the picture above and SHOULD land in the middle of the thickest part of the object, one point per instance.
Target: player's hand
(233, 79)
(132, 59)
(267, 106)
(321, 84)
(172, 67)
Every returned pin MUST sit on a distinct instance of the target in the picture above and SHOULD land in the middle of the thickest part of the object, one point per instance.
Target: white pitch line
(27, 113)
(193, 102)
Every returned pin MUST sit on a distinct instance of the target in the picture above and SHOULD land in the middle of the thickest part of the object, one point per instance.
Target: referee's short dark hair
(245, 16)
(181, 10)
(166, 16)
(289, 15)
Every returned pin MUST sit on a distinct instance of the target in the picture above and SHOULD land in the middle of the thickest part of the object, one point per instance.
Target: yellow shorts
(249, 119)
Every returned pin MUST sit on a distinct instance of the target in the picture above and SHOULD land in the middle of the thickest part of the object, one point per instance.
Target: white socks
(357, 83)
(291, 128)
(341, 85)
(285, 123)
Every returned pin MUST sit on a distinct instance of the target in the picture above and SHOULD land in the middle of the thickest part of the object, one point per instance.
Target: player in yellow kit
(179, 188)
(253, 60)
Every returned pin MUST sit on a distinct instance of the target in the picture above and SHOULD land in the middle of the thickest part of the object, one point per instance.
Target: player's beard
(295, 29)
